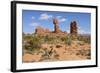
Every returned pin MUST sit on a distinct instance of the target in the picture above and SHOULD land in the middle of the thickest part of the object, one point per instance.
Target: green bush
(68, 40)
(63, 39)
(32, 43)
(50, 39)
(86, 39)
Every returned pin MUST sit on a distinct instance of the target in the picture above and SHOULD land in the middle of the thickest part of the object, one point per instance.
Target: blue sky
(33, 18)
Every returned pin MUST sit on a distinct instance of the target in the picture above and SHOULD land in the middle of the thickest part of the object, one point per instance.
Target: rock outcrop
(41, 31)
(73, 28)
(56, 27)
(57, 32)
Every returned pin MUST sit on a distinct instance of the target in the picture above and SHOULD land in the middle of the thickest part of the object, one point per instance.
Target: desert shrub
(63, 39)
(68, 40)
(47, 53)
(50, 39)
(46, 39)
(86, 39)
(33, 43)
(73, 37)
(27, 37)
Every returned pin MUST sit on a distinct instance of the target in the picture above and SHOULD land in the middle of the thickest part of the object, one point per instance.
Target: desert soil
(59, 52)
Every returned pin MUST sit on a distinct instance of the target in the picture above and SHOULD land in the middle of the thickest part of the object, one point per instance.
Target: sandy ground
(59, 52)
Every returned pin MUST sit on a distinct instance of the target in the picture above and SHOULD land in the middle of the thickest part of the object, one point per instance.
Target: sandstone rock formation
(56, 27)
(41, 31)
(57, 32)
(73, 28)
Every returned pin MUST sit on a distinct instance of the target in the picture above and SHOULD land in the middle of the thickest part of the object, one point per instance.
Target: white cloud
(62, 20)
(34, 24)
(33, 17)
(45, 16)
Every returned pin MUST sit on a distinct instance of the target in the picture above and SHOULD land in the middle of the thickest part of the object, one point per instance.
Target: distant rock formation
(41, 31)
(73, 28)
(57, 32)
(56, 27)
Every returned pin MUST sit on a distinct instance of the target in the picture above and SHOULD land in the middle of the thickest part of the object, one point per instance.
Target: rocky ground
(78, 50)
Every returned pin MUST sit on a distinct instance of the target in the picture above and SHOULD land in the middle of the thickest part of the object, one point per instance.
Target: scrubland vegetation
(33, 45)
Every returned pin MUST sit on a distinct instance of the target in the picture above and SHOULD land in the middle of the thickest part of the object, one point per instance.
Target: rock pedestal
(56, 27)
(73, 28)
